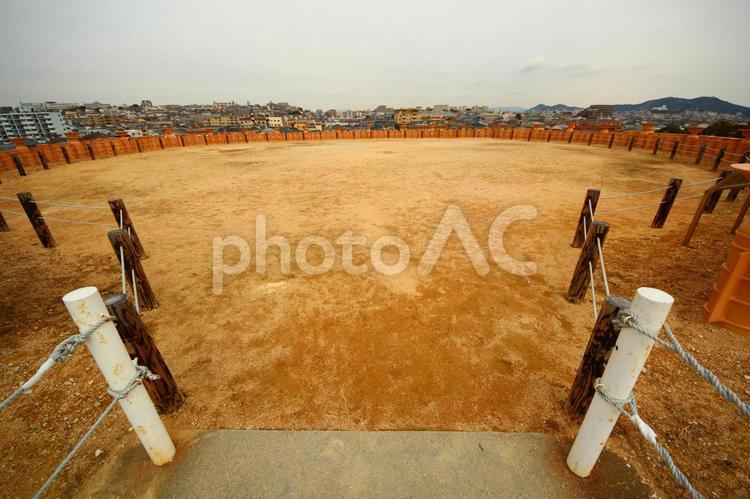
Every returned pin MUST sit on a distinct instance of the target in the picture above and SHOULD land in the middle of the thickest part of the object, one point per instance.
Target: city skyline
(343, 56)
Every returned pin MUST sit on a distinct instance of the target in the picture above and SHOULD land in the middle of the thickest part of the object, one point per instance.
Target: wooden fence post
(549, 136)
(591, 137)
(585, 217)
(18, 165)
(674, 149)
(701, 152)
(714, 198)
(580, 281)
(91, 151)
(36, 219)
(512, 133)
(570, 138)
(656, 145)
(3, 224)
(741, 214)
(666, 203)
(611, 141)
(630, 145)
(719, 157)
(119, 238)
(65, 155)
(601, 342)
(118, 206)
(733, 193)
(42, 159)
(164, 392)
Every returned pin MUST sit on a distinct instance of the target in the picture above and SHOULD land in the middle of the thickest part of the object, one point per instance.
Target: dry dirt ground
(452, 350)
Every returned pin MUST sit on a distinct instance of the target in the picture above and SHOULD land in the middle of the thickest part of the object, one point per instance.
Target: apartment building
(404, 116)
(40, 126)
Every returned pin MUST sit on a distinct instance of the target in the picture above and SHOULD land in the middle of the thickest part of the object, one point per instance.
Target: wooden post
(36, 219)
(549, 136)
(714, 198)
(591, 137)
(512, 133)
(732, 196)
(119, 238)
(741, 214)
(632, 141)
(42, 159)
(91, 151)
(114, 149)
(118, 206)
(656, 145)
(3, 224)
(666, 203)
(589, 253)
(719, 157)
(585, 217)
(733, 193)
(611, 141)
(601, 342)
(164, 392)
(19, 166)
(674, 149)
(570, 138)
(65, 155)
(701, 152)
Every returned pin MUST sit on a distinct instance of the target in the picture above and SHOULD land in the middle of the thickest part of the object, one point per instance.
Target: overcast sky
(358, 54)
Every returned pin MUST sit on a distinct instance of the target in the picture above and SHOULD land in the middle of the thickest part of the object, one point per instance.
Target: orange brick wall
(102, 148)
(146, 144)
(77, 151)
(53, 153)
(689, 145)
(124, 145)
(6, 162)
(168, 141)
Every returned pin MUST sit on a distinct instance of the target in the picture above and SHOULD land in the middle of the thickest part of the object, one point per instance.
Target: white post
(650, 307)
(86, 307)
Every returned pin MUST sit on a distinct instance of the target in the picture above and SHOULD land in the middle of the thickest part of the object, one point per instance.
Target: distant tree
(671, 128)
(723, 128)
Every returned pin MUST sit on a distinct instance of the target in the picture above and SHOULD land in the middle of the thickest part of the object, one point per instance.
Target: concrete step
(245, 463)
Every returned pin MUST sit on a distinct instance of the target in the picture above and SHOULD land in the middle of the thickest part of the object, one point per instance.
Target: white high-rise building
(40, 126)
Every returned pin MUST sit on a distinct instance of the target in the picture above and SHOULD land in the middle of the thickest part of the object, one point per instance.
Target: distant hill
(513, 109)
(539, 108)
(678, 104)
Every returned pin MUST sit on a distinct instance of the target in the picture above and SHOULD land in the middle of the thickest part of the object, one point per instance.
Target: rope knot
(141, 373)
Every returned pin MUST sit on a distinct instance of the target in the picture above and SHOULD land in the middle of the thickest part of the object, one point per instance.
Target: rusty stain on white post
(86, 307)
(650, 307)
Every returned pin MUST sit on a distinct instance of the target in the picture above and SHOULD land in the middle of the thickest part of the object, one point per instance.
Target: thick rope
(6, 210)
(61, 352)
(591, 277)
(601, 253)
(648, 433)
(640, 193)
(624, 317)
(141, 372)
(68, 205)
(67, 220)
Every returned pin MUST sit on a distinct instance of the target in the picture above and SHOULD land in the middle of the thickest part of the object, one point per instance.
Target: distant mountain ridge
(678, 104)
(539, 108)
